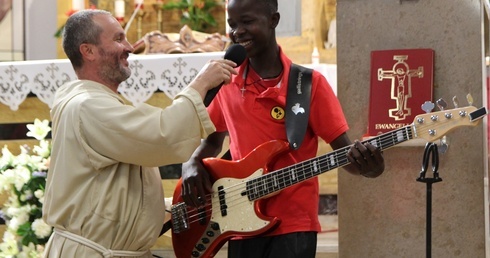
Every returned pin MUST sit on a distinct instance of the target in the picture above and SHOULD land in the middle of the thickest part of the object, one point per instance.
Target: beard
(113, 70)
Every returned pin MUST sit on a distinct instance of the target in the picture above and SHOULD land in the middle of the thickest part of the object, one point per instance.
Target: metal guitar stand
(430, 150)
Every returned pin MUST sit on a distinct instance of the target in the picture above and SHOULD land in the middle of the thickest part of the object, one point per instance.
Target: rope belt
(91, 244)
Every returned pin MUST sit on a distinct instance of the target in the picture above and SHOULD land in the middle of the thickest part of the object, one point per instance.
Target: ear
(87, 51)
(275, 19)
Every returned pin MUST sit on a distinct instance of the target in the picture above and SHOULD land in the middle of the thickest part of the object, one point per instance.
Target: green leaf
(59, 31)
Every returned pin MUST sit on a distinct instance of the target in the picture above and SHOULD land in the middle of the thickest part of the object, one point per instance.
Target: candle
(119, 11)
(77, 5)
(138, 2)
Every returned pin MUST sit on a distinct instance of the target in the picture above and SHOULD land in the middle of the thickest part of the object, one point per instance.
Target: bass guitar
(232, 209)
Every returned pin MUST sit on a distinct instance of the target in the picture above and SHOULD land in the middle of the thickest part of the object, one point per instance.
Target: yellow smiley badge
(277, 113)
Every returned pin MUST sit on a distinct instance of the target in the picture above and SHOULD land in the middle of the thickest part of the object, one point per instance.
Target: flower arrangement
(195, 13)
(23, 179)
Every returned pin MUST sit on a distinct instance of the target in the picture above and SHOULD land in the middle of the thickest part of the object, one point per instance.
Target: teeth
(244, 44)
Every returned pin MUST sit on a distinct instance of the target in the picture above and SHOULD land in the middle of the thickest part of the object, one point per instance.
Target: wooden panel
(33, 108)
(29, 110)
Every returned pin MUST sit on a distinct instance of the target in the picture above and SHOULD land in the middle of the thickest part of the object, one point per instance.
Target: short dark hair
(271, 5)
(80, 28)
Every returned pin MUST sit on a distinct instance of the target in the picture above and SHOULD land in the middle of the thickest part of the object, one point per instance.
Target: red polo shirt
(251, 110)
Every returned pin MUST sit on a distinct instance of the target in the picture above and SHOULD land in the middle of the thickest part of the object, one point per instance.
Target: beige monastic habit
(103, 184)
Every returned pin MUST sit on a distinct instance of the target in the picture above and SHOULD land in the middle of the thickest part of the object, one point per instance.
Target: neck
(92, 76)
(267, 64)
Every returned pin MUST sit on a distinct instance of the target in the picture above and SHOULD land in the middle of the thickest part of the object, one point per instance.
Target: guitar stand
(430, 150)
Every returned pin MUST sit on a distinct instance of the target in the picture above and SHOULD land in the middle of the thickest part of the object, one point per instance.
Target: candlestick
(119, 11)
(139, 19)
(227, 26)
(158, 8)
(77, 5)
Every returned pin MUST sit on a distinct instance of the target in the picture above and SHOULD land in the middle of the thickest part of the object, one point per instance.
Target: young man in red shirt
(250, 110)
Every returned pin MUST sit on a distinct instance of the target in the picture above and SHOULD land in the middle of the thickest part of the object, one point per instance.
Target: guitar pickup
(222, 201)
(201, 213)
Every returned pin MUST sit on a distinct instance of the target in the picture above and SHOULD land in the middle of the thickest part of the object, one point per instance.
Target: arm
(365, 159)
(195, 178)
(5, 6)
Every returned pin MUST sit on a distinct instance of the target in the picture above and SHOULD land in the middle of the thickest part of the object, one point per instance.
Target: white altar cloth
(169, 73)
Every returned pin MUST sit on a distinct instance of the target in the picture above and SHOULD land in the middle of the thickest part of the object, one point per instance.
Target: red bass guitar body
(229, 212)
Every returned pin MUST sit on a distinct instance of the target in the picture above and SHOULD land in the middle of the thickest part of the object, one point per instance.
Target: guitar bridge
(180, 219)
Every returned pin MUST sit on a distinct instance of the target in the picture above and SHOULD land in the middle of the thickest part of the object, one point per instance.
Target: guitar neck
(278, 180)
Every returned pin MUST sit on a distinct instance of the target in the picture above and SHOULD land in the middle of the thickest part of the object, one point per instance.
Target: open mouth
(125, 60)
(245, 43)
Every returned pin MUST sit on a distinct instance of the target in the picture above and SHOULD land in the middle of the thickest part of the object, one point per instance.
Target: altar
(150, 73)
(167, 73)
(27, 89)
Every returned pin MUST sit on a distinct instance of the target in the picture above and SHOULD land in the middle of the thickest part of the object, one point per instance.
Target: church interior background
(309, 37)
(21, 22)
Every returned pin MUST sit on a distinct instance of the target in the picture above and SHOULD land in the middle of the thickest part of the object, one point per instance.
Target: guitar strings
(280, 175)
(234, 192)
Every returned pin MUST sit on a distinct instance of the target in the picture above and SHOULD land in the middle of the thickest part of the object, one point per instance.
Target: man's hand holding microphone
(218, 72)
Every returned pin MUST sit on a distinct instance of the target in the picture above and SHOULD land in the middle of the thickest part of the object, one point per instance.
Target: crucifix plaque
(401, 81)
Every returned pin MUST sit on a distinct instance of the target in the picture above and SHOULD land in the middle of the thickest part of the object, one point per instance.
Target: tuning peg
(443, 145)
(427, 106)
(441, 104)
(469, 98)
(455, 102)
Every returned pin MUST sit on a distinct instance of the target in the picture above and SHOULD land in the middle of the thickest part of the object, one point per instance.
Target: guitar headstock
(435, 125)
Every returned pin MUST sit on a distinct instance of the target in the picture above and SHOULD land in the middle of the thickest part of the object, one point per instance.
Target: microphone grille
(236, 53)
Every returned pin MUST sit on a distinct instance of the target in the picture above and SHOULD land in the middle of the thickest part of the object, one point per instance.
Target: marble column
(386, 217)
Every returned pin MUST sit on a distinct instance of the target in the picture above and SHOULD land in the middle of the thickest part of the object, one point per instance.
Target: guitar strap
(298, 104)
(166, 226)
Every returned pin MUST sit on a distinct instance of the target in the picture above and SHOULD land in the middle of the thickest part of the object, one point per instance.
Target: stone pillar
(386, 217)
(40, 27)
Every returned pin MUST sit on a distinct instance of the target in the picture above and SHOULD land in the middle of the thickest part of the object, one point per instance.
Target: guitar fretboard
(278, 180)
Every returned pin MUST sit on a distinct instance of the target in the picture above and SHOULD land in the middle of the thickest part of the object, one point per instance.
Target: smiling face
(112, 52)
(252, 25)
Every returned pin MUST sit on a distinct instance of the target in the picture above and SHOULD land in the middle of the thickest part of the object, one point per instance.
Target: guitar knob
(200, 247)
(205, 240)
(215, 226)
(195, 254)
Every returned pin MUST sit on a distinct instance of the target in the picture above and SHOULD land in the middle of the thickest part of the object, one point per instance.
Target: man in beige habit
(104, 195)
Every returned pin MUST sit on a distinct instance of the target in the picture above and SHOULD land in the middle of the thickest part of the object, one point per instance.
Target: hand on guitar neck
(365, 159)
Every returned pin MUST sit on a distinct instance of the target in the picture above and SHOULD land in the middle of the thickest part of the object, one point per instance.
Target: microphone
(235, 53)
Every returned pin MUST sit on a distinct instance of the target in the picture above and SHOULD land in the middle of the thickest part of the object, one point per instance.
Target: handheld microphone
(235, 53)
